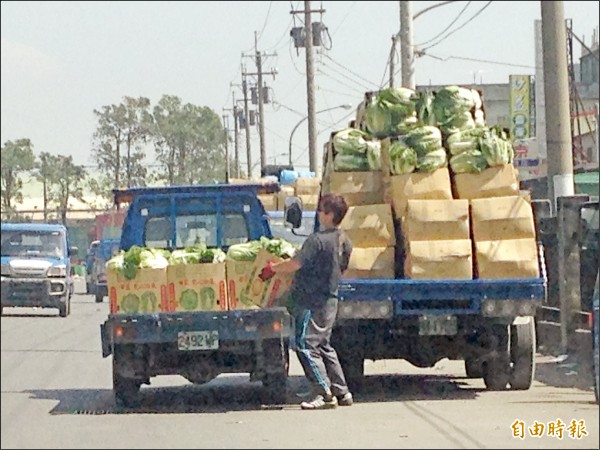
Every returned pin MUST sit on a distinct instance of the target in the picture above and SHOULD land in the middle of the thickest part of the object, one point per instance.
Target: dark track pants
(318, 358)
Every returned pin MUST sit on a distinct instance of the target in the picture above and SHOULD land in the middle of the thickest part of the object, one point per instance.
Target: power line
(446, 29)
(344, 18)
(459, 28)
(264, 24)
(487, 61)
(337, 71)
(353, 88)
(346, 68)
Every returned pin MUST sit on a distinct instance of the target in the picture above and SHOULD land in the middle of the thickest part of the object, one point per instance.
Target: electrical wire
(487, 61)
(346, 68)
(445, 29)
(337, 71)
(264, 24)
(459, 28)
(352, 88)
(343, 18)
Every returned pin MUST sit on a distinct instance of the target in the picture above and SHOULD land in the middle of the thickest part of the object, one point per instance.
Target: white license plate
(198, 340)
(438, 325)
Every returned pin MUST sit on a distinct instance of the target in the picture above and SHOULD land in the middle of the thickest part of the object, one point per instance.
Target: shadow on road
(237, 393)
(574, 372)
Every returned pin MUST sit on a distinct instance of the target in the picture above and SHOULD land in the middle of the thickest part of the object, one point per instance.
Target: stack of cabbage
(477, 149)
(128, 262)
(354, 150)
(390, 112)
(419, 149)
(249, 250)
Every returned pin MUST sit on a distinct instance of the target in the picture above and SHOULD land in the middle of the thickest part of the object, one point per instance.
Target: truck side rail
(414, 297)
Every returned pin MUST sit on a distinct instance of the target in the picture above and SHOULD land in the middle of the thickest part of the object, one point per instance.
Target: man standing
(318, 268)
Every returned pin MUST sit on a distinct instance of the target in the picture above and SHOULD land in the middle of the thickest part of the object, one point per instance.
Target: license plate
(198, 340)
(437, 325)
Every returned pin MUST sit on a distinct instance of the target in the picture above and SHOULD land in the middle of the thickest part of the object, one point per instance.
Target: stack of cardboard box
(437, 240)
(307, 189)
(369, 221)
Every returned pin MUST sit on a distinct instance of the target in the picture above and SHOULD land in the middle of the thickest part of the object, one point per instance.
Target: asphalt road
(56, 393)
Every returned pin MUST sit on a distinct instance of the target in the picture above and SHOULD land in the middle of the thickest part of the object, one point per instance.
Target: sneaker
(320, 402)
(346, 399)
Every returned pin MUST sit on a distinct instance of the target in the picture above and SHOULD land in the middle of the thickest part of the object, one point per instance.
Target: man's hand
(267, 272)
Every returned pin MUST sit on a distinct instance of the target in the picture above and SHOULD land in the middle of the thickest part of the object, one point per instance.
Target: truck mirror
(293, 211)
(73, 250)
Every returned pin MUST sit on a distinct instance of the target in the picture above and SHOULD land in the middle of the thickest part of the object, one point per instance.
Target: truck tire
(277, 365)
(473, 368)
(125, 390)
(496, 368)
(99, 297)
(64, 309)
(522, 354)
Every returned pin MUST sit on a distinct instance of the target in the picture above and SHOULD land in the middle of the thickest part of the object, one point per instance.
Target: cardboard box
(491, 182)
(419, 186)
(309, 202)
(432, 260)
(307, 186)
(264, 293)
(430, 220)
(373, 262)
(502, 218)
(508, 258)
(238, 275)
(197, 287)
(146, 293)
(370, 226)
(269, 201)
(358, 188)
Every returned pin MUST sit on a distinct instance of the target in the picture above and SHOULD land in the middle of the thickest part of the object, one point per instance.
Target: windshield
(33, 243)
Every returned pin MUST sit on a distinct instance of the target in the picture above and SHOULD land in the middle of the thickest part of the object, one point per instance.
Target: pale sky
(62, 60)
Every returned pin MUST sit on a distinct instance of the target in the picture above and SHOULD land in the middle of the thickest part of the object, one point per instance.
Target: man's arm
(287, 266)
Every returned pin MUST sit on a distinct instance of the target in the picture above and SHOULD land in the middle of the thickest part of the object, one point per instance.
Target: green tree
(119, 141)
(46, 174)
(17, 158)
(189, 142)
(66, 182)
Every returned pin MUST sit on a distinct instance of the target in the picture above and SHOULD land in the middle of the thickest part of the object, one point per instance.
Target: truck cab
(144, 345)
(105, 250)
(36, 266)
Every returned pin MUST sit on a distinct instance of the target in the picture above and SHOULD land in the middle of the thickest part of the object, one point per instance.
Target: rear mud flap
(106, 345)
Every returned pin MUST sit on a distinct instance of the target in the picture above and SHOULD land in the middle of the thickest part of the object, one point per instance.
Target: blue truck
(487, 323)
(36, 266)
(254, 341)
(99, 254)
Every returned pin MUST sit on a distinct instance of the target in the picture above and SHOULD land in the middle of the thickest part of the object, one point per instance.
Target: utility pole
(260, 94)
(247, 125)
(556, 90)
(406, 45)
(236, 148)
(392, 65)
(226, 131)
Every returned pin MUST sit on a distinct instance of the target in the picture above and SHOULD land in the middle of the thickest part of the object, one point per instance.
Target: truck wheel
(277, 365)
(99, 298)
(496, 369)
(473, 368)
(522, 354)
(274, 389)
(64, 309)
(125, 390)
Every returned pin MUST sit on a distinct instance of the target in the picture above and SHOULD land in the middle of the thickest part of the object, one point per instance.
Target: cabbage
(349, 163)
(432, 161)
(471, 161)
(496, 149)
(461, 141)
(244, 252)
(374, 155)
(350, 141)
(379, 120)
(403, 159)
(424, 139)
(279, 247)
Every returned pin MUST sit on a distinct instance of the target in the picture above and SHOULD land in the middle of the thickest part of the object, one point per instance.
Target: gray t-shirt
(324, 257)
